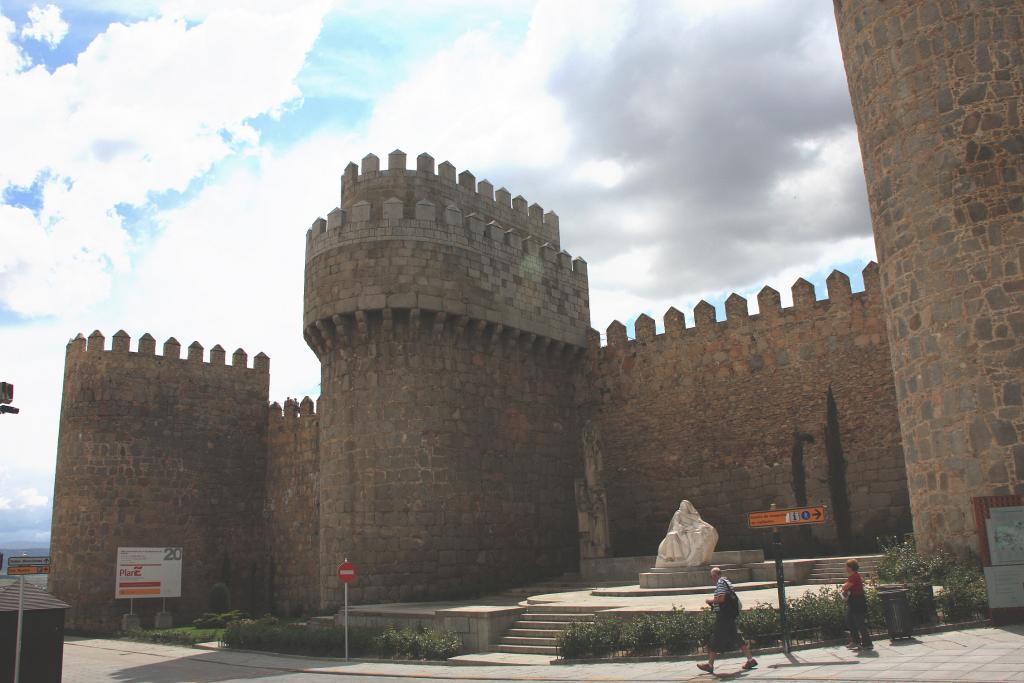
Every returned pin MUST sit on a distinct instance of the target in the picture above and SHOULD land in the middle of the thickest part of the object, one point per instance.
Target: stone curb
(924, 630)
(215, 647)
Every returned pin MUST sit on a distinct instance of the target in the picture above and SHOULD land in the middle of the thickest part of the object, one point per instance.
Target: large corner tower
(449, 325)
(938, 95)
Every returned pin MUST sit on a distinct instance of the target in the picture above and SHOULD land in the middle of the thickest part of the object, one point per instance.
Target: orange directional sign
(787, 517)
(20, 566)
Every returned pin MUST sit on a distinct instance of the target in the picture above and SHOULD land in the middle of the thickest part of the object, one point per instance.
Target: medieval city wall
(710, 413)
(158, 451)
(293, 507)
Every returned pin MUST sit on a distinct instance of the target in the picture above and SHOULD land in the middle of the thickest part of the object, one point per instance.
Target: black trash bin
(896, 608)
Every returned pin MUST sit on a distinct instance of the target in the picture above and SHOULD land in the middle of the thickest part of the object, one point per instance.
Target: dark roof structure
(35, 599)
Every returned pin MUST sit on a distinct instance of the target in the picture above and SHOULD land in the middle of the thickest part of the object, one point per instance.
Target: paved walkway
(989, 654)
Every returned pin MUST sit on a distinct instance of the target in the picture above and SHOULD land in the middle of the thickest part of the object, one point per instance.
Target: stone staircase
(537, 628)
(832, 570)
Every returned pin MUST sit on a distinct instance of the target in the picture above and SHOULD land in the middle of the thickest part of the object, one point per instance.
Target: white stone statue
(690, 540)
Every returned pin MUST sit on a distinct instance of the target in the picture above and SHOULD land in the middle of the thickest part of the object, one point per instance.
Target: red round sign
(346, 572)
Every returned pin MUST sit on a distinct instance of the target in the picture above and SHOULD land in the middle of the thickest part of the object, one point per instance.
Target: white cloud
(12, 59)
(45, 25)
(25, 498)
(147, 108)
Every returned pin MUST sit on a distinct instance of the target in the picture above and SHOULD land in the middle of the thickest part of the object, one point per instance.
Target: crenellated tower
(938, 95)
(159, 450)
(449, 326)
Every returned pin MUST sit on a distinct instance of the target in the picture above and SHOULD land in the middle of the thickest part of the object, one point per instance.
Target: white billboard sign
(1005, 586)
(148, 573)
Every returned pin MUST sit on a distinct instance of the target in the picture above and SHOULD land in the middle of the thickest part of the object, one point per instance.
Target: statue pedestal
(731, 561)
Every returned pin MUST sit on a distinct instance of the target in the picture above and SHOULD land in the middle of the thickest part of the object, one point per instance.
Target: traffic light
(6, 392)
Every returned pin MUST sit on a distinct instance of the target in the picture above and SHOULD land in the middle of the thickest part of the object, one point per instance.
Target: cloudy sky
(161, 161)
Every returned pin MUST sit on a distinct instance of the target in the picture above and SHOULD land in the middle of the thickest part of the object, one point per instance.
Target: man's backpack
(731, 607)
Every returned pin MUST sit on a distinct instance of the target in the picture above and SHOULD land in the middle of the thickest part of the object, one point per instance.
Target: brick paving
(986, 654)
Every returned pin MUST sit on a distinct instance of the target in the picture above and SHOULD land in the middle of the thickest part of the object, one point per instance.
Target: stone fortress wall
(458, 373)
(938, 96)
(711, 411)
(449, 327)
(293, 507)
(158, 450)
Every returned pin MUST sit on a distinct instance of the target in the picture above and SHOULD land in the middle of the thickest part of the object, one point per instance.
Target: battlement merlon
(80, 347)
(841, 299)
(444, 188)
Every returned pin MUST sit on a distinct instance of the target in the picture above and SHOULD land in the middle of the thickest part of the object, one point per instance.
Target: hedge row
(269, 635)
(814, 616)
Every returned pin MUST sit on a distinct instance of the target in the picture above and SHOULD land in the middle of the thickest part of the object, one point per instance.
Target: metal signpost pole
(780, 579)
(346, 616)
(17, 642)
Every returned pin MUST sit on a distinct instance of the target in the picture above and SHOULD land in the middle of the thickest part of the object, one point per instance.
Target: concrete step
(533, 632)
(528, 649)
(560, 608)
(520, 640)
(544, 625)
(563, 617)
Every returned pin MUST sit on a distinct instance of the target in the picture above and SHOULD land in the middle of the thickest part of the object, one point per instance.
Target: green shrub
(297, 639)
(184, 635)
(901, 563)
(211, 620)
(686, 632)
(963, 596)
(876, 616)
(220, 598)
(819, 614)
(643, 635)
(268, 635)
(590, 639)
(760, 625)
(407, 643)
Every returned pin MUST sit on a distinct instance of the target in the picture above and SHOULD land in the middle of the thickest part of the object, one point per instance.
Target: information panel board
(1005, 528)
(148, 573)
(1005, 586)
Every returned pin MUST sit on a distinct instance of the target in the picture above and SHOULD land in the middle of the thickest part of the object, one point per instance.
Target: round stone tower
(938, 95)
(449, 326)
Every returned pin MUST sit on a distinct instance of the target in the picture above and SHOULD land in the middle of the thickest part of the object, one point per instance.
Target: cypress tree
(837, 473)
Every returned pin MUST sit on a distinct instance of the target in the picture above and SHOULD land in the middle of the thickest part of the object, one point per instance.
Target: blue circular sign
(805, 515)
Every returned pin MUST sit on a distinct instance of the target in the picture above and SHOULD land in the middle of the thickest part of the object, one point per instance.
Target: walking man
(725, 636)
(856, 608)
